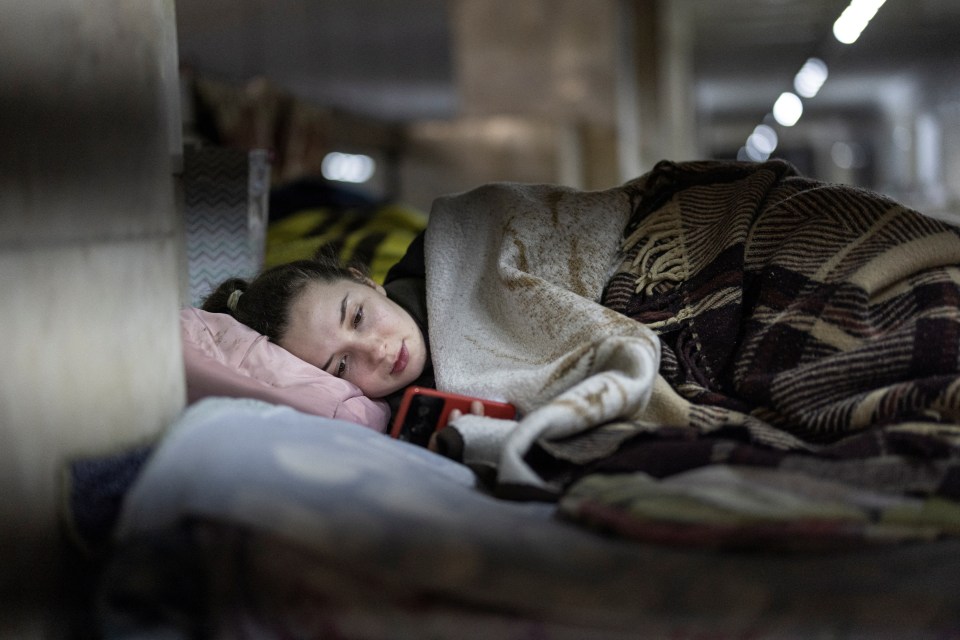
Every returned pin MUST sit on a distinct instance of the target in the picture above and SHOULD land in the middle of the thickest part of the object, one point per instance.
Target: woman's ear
(367, 281)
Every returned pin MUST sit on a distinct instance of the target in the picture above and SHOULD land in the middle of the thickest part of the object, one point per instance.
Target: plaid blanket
(803, 325)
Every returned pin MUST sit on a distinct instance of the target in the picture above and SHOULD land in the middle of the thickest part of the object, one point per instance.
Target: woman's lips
(402, 359)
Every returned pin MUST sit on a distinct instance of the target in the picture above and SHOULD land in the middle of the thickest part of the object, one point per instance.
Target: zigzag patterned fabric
(225, 201)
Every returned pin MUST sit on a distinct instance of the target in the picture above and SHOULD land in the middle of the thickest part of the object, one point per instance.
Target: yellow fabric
(292, 238)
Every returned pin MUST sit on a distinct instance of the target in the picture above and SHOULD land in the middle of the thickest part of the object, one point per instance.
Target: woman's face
(355, 332)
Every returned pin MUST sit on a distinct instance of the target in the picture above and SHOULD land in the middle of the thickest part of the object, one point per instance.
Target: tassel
(660, 258)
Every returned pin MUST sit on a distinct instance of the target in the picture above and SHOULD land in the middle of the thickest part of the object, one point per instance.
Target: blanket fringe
(661, 257)
(681, 315)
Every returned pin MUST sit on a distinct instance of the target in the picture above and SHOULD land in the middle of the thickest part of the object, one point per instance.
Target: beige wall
(90, 255)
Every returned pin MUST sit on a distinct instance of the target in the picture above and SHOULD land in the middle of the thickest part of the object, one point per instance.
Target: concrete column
(675, 87)
(549, 63)
(614, 77)
(551, 58)
(90, 252)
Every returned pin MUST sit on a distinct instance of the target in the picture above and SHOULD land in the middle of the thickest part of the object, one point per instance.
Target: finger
(454, 414)
(476, 408)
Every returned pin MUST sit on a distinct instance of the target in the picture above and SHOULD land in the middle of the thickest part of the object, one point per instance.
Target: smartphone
(423, 411)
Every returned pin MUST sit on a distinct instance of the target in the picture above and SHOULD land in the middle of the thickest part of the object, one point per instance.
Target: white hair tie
(233, 299)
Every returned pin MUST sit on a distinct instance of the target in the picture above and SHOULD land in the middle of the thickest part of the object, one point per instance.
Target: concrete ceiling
(747, 51)
(393, 58)
(738, 37)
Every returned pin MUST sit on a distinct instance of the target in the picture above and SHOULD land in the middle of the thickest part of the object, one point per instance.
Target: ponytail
(219, 300)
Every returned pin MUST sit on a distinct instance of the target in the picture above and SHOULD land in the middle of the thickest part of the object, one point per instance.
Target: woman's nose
(372, 348)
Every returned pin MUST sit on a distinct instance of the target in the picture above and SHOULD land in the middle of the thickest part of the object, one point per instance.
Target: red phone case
(451, 401)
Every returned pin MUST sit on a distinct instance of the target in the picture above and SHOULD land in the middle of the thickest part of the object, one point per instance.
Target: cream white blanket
(514, 276)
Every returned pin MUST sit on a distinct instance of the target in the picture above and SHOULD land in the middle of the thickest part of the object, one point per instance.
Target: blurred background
(435, 96)
(148, 145)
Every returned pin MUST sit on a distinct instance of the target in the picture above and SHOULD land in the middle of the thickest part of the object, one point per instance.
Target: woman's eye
(358, 317)
(341, 367)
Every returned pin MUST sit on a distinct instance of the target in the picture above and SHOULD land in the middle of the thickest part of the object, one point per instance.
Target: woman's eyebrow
(343, 308)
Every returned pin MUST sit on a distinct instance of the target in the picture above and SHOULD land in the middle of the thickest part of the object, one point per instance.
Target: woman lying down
(706, 313)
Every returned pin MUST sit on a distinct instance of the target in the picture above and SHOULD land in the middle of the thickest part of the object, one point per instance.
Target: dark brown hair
(265, 302)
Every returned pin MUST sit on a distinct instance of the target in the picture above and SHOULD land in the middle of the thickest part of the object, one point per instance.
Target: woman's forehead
(321, 297)
(315, 313)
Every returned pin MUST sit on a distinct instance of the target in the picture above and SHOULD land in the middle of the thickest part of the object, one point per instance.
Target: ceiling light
(842, 155)
(848, 155)
(854, 19)
(763, 140)
(810, 78)
(787, 109)
(347, 167)
(754, 154)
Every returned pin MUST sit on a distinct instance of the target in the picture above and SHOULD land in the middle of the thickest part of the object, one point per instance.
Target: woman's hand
(476, 408)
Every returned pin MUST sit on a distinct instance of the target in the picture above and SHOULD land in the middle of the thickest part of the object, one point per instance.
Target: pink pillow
(224, 357)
